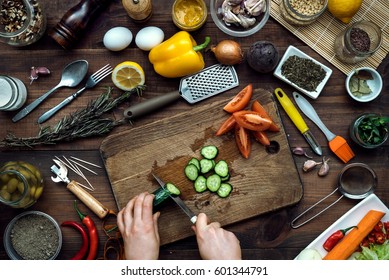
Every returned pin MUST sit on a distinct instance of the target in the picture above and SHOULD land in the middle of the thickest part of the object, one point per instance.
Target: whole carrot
(351, 241)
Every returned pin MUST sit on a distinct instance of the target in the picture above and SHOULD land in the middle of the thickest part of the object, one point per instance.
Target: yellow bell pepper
(178, 56)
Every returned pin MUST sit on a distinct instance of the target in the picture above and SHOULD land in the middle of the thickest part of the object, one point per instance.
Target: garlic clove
(310, 164)
(324, 168)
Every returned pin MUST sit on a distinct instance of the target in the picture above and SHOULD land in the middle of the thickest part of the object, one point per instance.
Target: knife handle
(92, 203)
(291, 110)
(151, 105)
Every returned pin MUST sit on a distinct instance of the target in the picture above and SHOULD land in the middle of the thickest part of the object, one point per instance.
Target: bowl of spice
(358, 42)
(364, 84)
(240, 18)
(33, 235)
(302, 12)
(189, 15)
(301, 71)
(22, 22)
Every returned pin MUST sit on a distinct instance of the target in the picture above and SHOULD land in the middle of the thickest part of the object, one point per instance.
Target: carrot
(349, 244)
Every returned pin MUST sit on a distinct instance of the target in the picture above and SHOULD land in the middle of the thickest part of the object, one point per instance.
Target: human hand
(214, 242)
(139, 228)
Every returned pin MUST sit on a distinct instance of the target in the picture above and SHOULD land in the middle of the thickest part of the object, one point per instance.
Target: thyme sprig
(87, 122)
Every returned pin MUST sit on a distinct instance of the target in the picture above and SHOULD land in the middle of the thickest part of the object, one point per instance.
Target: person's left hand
(139, 228)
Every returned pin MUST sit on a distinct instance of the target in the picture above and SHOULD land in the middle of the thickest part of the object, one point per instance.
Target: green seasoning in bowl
(33, 235)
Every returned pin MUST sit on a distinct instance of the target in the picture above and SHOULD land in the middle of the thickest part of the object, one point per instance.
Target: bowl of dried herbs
(364, 84)
(370, 130)
(302, 72)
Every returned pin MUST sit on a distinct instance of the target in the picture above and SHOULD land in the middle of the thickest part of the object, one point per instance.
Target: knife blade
(297, 119)
(178, 201)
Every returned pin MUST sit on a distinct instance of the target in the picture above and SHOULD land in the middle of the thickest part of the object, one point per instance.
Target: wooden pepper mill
(73, 24)
(138, 10)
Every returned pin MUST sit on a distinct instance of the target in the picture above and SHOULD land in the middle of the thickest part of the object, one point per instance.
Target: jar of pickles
(22, 22)
(21, 184)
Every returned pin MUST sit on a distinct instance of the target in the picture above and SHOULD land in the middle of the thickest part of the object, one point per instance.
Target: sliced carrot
(257, 107)
(350, 243)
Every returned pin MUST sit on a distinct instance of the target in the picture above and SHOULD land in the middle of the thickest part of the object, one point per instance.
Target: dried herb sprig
(87, 122)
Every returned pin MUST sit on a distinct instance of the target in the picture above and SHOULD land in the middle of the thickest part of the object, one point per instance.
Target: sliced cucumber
(217, 172)
(224, 190)
(206, 165)
(172, 189)
(226, 178)
(191, 172)
(200, 184)
(213, 182)
(221, 168)
(209, 152)
(195, 162)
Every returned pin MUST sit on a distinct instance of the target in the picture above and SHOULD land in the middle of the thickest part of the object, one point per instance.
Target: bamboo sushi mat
(321, 34)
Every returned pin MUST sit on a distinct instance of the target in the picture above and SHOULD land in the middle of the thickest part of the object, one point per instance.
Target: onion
(309, 254)
(228, 52)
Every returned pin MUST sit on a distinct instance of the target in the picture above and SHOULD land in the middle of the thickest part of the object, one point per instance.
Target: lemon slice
(128, 75)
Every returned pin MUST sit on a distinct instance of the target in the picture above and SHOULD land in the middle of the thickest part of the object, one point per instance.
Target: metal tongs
(61, 172)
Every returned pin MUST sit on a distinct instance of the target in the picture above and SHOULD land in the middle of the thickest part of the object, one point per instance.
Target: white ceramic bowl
(233, 30)
(295, 51)
(12, 253)
(375, 85)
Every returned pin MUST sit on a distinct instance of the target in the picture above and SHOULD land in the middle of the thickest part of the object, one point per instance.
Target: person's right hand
(139, 228)
(214, 242)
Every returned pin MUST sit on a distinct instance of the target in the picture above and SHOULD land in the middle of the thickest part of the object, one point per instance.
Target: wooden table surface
(268, 236)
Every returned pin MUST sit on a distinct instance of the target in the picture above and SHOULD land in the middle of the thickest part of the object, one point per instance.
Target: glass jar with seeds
(358, 42)
(22, 22)
(21, 184)
(302, 12)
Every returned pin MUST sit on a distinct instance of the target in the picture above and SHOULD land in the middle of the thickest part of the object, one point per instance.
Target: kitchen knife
(298, 121)
(178, 201)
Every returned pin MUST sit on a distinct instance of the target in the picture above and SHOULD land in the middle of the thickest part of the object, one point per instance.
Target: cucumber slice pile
(208, 173)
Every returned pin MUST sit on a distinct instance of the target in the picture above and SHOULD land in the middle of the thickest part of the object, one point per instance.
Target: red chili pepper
(85, 241)
(93, 236)
(335, 238)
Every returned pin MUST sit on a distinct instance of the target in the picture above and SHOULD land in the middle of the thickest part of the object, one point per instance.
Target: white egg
(117, 38)
(149, 37)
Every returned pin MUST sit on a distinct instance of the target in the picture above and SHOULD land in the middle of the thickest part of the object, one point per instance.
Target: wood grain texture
(164, 147)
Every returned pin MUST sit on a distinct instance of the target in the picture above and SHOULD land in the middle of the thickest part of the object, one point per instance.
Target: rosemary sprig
(87, 122)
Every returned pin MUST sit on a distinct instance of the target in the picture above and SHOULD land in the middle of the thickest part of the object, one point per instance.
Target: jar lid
(8, 92)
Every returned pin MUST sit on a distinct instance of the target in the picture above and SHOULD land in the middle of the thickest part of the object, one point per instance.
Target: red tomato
(240, 100)
(261, 137)
(242, 139)
(226, 126)
(257, 107)
(252, 120)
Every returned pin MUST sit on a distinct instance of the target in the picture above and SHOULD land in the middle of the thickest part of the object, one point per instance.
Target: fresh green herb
(303, 72)
(372, 130)
(87, 122)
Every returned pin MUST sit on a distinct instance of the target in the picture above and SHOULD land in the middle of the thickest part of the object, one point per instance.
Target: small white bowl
(295, 51)
(375, 85)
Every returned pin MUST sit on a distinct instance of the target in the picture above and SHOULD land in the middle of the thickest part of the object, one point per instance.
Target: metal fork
(90, 83)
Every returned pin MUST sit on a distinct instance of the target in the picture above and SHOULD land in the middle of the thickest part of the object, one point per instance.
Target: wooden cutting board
(262, 183)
